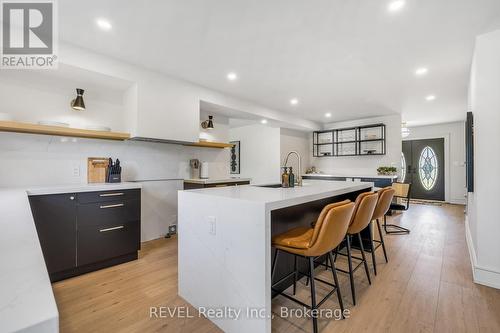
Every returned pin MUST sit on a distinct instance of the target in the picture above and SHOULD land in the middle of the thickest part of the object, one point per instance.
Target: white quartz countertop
(216, 180)
(75, 188)
(350, 176)
(275, 198)
(26, 299)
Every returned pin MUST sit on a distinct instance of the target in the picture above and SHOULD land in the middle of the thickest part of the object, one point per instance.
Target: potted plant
(387, 171)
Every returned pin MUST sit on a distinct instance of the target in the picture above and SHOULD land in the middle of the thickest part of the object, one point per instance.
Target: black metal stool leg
(364, 258)
(399, 230)
(313, 294)
(273, 266)
(382, 239)
(351, 273)
(295, 275)
(374, 260)
(336, 281)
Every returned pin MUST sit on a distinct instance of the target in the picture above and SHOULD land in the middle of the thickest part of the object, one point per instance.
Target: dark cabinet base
(58, 276)
(84, 232)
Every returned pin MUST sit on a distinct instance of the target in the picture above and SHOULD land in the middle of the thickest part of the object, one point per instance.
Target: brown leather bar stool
(362, 216)
(385, 197)
(329, 230)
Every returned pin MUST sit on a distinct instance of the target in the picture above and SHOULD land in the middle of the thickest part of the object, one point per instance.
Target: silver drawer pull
(111, 229)
(111, 194)
(112, 206)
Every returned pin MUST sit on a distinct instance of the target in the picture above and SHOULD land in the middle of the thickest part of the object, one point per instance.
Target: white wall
(364, 165)
(454, 135)
(31, 160)
(483, 225)
(298, 141)
(260, 152)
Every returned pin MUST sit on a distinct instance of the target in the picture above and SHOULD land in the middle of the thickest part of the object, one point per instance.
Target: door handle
(112, 206)
(111, 229)
(111, 194)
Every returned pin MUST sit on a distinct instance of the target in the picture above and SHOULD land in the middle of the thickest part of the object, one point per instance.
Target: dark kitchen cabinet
(194, 186)
(87, 231)
(55, 220)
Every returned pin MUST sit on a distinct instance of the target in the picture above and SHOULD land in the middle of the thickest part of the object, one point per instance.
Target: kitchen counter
(226, 241)
(26, 299)
(274, 198)
(350, 176)
(216, 181)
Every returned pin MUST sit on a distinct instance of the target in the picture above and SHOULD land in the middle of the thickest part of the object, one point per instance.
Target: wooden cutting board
(97, 168)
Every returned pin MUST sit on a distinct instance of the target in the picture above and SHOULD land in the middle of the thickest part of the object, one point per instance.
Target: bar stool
(402, 191)
(329, 230)
(385, 197)
(362, 216)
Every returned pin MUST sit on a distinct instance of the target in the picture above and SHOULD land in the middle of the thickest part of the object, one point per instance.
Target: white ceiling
(351, 58)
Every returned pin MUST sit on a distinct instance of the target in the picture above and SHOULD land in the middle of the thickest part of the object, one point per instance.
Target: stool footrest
(300, 302)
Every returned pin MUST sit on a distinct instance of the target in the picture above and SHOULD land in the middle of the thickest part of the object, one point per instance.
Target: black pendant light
(208, 124)
(78, 104)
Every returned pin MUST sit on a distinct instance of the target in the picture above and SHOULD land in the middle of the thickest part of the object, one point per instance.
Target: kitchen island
(225, 245)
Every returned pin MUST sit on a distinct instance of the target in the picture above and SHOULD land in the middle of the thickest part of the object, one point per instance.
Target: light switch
(212, 225)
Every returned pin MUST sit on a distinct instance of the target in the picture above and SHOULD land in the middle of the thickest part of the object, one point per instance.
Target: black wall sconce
(78, 104)
(208, 124)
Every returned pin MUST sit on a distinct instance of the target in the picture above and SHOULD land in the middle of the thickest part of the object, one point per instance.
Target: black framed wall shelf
(352, 141)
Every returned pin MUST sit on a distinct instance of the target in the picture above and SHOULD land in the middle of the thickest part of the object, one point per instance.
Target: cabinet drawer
(105, 214)
(99, 243)
(106, 196)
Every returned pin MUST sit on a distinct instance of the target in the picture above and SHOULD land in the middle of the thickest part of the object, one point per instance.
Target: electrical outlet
(76, 170)
(172, 229)
(212, 225)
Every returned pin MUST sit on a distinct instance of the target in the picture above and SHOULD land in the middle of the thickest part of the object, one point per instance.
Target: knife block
(97, 169)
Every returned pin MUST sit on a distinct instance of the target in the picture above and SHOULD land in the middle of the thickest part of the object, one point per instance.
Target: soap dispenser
(291, 178)
(285, 181)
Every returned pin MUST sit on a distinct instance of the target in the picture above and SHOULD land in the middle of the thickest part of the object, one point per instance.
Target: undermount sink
(269, 185)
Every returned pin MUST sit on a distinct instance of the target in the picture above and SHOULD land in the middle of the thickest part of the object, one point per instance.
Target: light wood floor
(426, 287)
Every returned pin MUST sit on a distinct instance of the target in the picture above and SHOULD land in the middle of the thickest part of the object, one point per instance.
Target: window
(428, 168)
(403, 167)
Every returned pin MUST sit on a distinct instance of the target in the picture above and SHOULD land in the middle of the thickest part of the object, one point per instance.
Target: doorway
(423, 167)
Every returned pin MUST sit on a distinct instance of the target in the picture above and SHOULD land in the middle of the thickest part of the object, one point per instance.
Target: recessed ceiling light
(294, 101)
(264, 121)
(395, 6)
(104, 24)
(421, 71)
(232, 76)
(328, 114)
(430, 98)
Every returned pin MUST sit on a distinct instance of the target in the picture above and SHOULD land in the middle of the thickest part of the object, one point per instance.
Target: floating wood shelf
(18, 127)
(206, 144)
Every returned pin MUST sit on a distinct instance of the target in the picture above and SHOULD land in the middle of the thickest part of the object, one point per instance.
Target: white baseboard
(481, 275)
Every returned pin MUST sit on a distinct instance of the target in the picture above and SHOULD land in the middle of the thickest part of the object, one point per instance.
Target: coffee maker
(195, 168)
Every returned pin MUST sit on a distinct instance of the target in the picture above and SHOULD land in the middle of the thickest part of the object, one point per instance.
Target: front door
(424, 160)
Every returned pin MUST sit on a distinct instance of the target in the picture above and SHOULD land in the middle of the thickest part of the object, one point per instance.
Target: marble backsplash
(28, 160)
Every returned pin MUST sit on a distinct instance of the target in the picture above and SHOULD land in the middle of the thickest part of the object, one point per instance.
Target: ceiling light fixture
(294, 101)
(396, 6)
(232, 76)
(104, 24)
(421, 71)
(208, 124)
(264, 121)
(77, 104)
(430, 98)
(328, 115)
